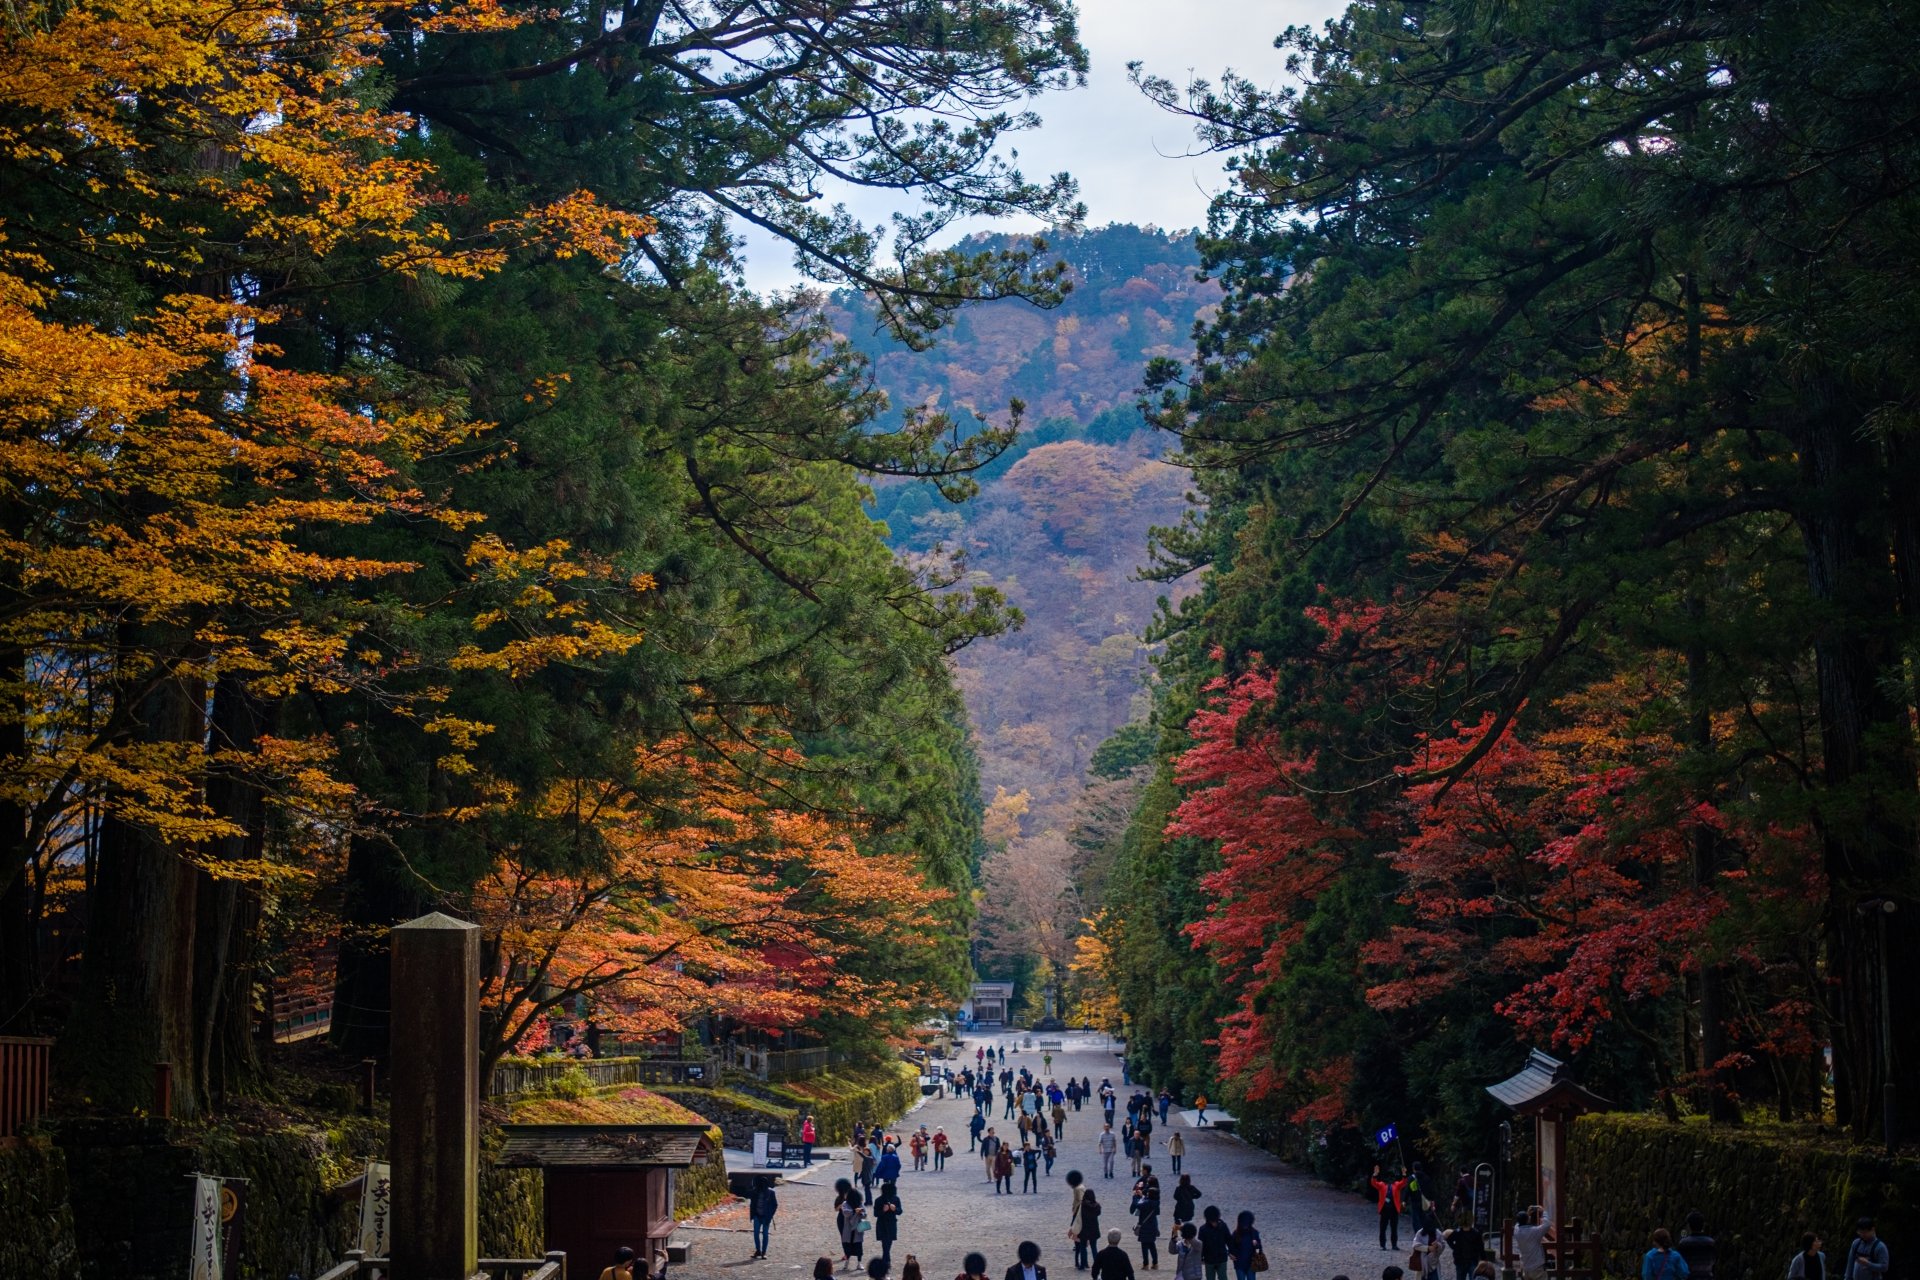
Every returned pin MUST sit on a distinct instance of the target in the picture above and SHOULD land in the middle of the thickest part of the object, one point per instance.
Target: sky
(1133, 161)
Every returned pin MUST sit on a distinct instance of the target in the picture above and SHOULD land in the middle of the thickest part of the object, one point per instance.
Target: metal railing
(551, 1267)
(605, 1071)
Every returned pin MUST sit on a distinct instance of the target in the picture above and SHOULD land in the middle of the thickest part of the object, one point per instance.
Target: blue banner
(1386, 1135)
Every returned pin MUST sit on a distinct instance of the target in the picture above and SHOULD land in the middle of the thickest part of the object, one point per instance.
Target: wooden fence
(605, 1071)
(23, 1081)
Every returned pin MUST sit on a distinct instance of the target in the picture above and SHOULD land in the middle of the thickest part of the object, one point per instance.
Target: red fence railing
(23, 1081)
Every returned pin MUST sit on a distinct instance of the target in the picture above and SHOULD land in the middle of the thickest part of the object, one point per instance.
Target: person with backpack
(1867, 1255)
(975, 1127)
(1810, 1263)
(761, 1208)
(1662, 1262)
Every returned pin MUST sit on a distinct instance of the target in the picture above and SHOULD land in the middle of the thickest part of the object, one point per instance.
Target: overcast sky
(1131, 158)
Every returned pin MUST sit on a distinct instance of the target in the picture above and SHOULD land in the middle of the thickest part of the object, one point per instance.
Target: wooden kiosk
(1543, 1090)
(607, 1185)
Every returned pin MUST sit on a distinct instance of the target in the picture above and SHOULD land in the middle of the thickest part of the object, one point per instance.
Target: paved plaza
(1311, 1231)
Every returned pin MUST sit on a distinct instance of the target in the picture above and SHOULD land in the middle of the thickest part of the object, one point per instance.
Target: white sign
(759, 1150)
(376, 1209)
(206, 1228)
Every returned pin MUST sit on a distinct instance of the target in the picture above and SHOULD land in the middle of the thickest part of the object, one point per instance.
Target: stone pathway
(1311, 1232)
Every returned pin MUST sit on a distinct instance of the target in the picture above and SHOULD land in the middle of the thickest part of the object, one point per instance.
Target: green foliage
(1130, 746)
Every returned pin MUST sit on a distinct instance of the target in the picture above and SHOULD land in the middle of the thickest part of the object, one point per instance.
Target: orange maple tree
(693, 895)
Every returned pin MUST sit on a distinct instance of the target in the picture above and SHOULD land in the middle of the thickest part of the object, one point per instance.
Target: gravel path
(1311, 1232)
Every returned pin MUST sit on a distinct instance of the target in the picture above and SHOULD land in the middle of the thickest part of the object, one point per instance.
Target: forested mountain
(1060, 524)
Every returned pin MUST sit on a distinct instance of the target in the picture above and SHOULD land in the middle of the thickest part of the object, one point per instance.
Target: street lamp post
(1881, 908)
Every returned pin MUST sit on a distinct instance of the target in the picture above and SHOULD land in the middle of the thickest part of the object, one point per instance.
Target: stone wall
(1759, 1187)
(36, 1220)
(111, 1199)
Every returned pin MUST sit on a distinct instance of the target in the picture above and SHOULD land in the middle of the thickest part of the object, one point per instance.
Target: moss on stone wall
(699, 1188)
(1759, 1188)
(36, 1221)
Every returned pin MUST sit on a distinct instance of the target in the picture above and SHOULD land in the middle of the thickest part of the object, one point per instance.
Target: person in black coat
(886, 1220)
(1112, 1262)
(1028, 1268)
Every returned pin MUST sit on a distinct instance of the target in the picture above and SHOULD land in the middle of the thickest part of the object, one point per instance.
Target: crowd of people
(1019, 1119)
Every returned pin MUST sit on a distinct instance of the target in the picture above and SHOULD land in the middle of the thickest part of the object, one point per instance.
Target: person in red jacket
(1389, 1191)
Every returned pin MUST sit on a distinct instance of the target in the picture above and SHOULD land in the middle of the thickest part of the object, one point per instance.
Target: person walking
(1073, 1092)
(1003, 1170)
(1139, 1152)
(1147, 1231)
(1029, 1169)
(761, 1208)
(1867, 1256)
(1089, 1222)
(917, 1147)
(1389, 1190)
(989, 1147)
(1530, 1242)
(1028, 1268)
(1108, 1145)
(1112, 1262)
(1810, 1263)
(1216, 1243)
(809, 1134)
(1166, 1103)
(1076, 1184)
(887, 1169)
(854, 1225)
(1049, 1153)
(1186, 1254)
(1176, 1148)
(1184, 1196)
(1662, 1262)
(886, 1220)
(1245, 1246)
(942, 1148)
(975, 1127)
(1059, 1119)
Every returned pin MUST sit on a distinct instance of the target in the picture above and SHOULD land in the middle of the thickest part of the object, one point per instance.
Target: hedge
(1759, 1187)
(36, 1222)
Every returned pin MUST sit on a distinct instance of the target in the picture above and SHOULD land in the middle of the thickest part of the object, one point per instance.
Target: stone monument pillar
(434, 1079)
